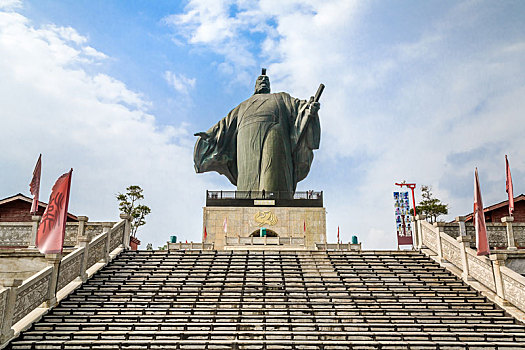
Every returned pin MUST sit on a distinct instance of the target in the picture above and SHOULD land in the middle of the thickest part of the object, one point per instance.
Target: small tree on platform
(431, 207)
(129, 204)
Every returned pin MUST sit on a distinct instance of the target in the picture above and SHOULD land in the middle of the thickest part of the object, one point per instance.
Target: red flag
(482, 242)
(304, 226)
(510, 189)
(50, 235)
(338, 234)
(205, 233)
(225, 225)
(34, 186)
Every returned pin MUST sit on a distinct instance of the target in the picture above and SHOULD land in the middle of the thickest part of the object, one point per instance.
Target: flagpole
(509, 187)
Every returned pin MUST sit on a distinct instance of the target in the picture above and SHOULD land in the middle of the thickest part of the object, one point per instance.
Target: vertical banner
(402, 214)
(52, 228)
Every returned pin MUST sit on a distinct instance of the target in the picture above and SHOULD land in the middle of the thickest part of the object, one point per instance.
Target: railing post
(419, 231)
(464, 241)
(441, 229)
(415, 236)
(83, 241)
(81, 226)
(6, 332)
(498, 260)
(34, 229)
(106, 227)
(461, 222)
(54, 261)
(511, 243)
(127, 230)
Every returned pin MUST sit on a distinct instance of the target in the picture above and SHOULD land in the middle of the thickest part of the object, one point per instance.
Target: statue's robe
(265, 143)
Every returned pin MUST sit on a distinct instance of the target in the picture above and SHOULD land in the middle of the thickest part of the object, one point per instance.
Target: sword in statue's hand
(314, 100)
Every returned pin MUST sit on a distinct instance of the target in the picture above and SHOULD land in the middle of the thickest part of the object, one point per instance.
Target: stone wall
(496, 232)
(286, 222)
(18, 234)
(20, 265)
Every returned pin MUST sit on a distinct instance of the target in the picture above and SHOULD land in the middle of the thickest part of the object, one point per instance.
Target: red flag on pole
(205, 233)
(338, 235)
(304, 226)
(482, 242)
(510, 189)
(50, 235)
(34, 186)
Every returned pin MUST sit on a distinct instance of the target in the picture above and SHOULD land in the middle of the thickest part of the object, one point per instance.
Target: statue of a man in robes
(265, 143)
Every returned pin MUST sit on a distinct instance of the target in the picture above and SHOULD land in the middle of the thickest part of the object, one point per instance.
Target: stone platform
(287, 227)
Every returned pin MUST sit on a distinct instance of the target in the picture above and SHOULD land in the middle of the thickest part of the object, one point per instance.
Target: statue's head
(262, 84)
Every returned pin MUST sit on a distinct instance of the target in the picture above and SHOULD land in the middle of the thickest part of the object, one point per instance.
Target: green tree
(129, 203)
(430, 206)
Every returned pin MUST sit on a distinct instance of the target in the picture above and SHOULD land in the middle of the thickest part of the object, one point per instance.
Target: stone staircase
(274, 300)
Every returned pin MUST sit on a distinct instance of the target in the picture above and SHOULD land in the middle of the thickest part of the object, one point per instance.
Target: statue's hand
(314, 108)
(202, 134)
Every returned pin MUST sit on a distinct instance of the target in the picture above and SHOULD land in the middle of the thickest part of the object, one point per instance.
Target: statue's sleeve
(219, 151)
(305, 135)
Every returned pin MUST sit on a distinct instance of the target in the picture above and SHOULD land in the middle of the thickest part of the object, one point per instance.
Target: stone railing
(15, 234)
(23, 234)
(501, 235)
(63, 274)
(190, 246)
(339, 246)
(507, 286)
(239, 241)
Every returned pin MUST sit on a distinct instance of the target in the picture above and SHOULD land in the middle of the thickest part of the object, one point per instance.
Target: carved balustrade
(19, 299)
(508, 286)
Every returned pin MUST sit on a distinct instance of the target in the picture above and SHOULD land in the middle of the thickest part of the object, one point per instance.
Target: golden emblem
(265, 218)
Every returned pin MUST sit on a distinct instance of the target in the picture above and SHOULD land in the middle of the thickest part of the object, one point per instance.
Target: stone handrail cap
(13, 282)
(460, 218)
(36, 217)
(498, 256)
(107, 224)
(507, 219)
(465, 239)
(82, 218)
(125, 216)
(54, 256)
(421, 217)
(439, 224)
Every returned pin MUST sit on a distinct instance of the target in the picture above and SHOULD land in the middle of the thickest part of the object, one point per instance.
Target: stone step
(311, 333)
(358, 327)
(280, 343)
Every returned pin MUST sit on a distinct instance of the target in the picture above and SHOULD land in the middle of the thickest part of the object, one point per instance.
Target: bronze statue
(265, 143)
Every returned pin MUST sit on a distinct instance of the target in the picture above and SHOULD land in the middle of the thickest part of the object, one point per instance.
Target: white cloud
(52, 104)
(179, 82)
(10, 4)
(89, 51)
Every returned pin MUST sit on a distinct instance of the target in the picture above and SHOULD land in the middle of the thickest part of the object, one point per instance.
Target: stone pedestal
(286, 227)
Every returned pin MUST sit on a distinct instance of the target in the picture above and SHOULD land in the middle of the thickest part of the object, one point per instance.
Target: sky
(416, 91)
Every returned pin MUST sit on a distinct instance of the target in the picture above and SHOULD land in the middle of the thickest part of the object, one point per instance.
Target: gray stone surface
(274, 300)
(20, 265)
(265, 143)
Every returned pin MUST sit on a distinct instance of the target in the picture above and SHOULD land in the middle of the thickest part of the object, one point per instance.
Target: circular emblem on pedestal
(263, 218)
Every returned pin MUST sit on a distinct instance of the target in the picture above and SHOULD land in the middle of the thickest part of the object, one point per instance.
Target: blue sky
(422, 91)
